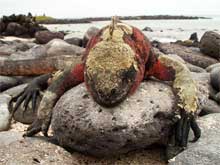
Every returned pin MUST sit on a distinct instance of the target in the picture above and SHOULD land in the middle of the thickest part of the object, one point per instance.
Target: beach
(163, 30)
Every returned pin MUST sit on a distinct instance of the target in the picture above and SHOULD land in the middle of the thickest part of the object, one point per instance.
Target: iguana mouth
(110, 72)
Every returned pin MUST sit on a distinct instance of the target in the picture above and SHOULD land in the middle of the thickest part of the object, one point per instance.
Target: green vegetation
(43, 18)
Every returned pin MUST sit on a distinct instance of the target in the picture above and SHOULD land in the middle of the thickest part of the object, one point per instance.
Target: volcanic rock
(44, 37)
(4, 112)
(189, 54)
(74, 41)
(194, 37)
(210, 107)
(92, 31)
(215, 78)
(211, 67)
(34, 151)
(7, 82)
(15, 29)
(148, 29)
(210, 44)
(79, 123)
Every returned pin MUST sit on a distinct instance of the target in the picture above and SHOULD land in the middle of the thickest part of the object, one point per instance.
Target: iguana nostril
(113, 91)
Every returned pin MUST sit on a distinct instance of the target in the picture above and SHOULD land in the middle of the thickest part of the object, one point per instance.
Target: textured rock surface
(150, 156)
(210, 107)
(147, 157)
(81, 124)
(189, 54)
(34, 151)
(15, 91)
(29, 115)
(210, 44)
(207, 150)
(211, 67)
(9, 47)
(44, 37)
(194, 68)
(92, 31)
(7, 82)
(8, 137)
(30, 67)
(74, 41)
(4, 112)
(215, 78)
(58, 47)
(15, 29)
(35, 52)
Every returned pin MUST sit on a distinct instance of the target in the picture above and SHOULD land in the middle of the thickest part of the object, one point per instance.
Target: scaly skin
(117, 59)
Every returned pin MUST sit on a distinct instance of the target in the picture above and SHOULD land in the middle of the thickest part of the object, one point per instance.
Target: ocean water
(163, 30)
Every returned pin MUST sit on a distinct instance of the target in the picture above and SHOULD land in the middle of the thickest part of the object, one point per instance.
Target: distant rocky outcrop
(19, 25)
(91, 19)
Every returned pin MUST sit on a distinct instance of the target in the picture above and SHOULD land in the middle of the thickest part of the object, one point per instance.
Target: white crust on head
(106, 60)
(118, 32)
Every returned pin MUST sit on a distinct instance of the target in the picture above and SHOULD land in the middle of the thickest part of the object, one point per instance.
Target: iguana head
(111, 67)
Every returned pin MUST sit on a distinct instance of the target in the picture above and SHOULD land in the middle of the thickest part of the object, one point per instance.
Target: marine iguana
(115, 62)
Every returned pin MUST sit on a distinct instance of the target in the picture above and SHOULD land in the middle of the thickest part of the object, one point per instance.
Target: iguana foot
(179, 137)
(187, 121)
(37, 126)
(34, 128)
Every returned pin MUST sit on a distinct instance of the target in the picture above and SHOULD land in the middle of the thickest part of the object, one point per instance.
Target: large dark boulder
(210, 44)
(194, 37)
(2, 27)
(83, 125)
(7, 82)
(79, 123)
(45, 36)
(215, 78)
(15, 29)
(19, 25)
(92, 31)
(74, 41)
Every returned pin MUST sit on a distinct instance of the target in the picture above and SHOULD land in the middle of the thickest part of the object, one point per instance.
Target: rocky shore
(83, 132)
(141, 17)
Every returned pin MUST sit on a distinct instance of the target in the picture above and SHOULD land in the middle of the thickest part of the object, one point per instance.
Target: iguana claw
(37, 126)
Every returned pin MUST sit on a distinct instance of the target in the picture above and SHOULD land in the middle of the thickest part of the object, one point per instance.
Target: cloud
(86, 8)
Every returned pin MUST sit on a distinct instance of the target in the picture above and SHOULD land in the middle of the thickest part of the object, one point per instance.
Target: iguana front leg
(167, 68)
(61, 82)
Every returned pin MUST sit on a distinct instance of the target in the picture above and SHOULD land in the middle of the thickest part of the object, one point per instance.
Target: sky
(100, 8)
